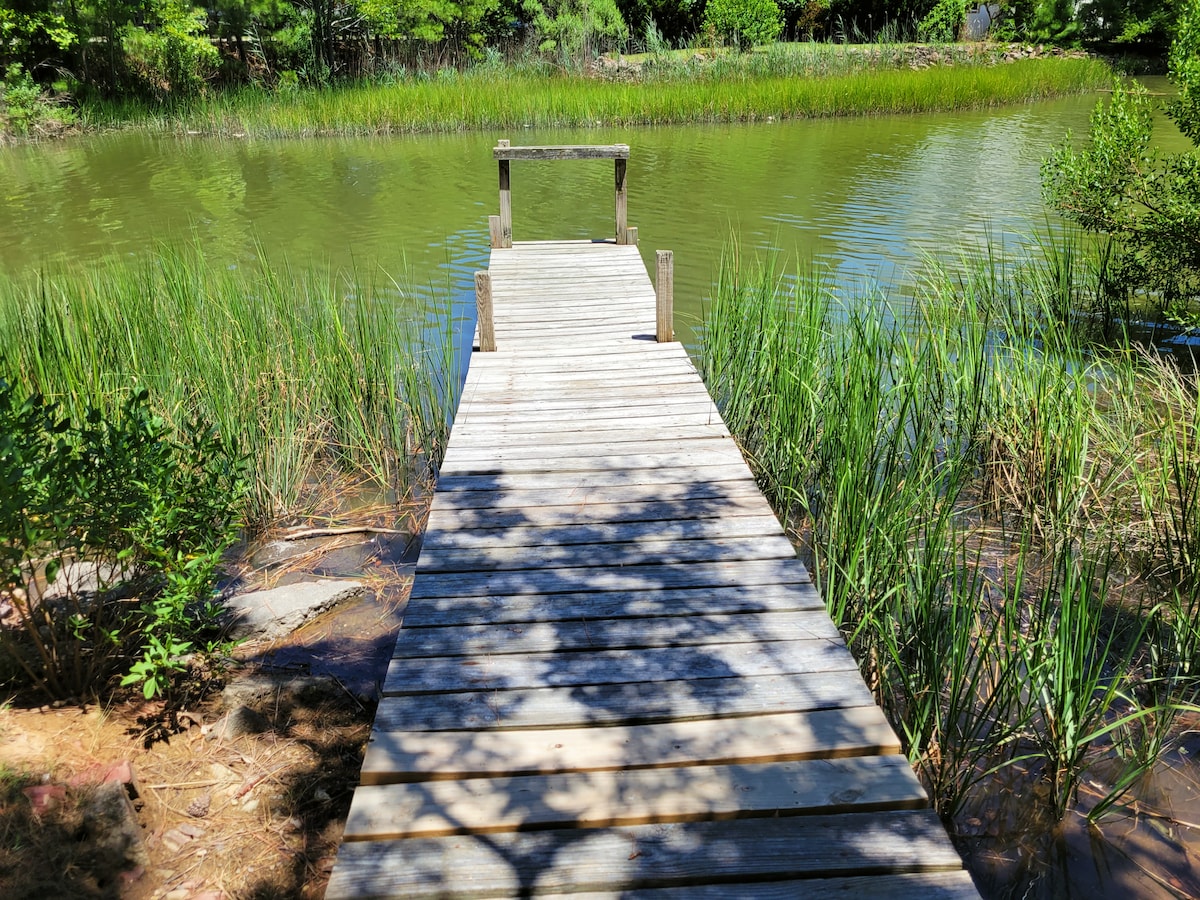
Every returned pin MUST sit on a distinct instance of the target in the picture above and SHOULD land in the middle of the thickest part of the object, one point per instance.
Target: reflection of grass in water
(778, 86)
(994, 507)
(312, 374)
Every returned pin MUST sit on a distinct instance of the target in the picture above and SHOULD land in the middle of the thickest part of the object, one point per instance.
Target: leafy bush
(25, 108)
(943, 23)
(1148, 204)
(1054, 22)
(110, 537)
(176, 57)
(576, 29)
(744, 22)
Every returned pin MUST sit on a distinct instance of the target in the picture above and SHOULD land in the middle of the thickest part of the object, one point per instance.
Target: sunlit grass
(490, 99)
(1000, 513)
(311, 373)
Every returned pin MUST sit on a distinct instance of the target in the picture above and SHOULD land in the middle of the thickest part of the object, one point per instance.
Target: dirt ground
(255, 816)
(211, 816)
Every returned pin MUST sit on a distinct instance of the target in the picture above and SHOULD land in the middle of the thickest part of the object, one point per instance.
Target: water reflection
(1145, 848)
(870, 197)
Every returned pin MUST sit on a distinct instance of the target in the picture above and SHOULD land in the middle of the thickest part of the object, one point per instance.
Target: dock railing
(500, 229)
(504, 153)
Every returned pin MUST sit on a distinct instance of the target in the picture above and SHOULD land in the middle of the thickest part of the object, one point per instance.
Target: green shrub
(577, 29)
(744, 22)
(175, 58)
(1146, 202)
(943, 23)
(110, 537)
(25, 108)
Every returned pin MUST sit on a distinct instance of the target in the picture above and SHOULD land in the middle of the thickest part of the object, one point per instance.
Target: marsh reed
(323, 380)
(783, 85)
(999, 510)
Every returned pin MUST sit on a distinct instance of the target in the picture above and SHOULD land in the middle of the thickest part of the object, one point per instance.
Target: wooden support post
(505, 201)
(664, 291)
(497, 234)
(622, 214)
(631, 235)
(483, 304)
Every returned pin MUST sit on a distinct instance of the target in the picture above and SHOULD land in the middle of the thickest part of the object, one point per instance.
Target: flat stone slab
(277, 612)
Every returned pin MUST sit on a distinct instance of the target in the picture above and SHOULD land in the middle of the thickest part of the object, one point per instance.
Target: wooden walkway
(614, 678)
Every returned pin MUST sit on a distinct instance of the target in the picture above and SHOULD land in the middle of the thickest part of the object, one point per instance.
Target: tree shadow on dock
(578, 702)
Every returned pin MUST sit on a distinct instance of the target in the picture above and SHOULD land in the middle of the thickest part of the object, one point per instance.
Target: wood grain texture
(631, 702)
(457, 532)
(551, 555)
(664, 288)
(563, 151)
(483, 310)
(614, 677)
(641, 664)
(612, 634)
(599, 580)
(396, 757)
(587, 606)
(632, 797)
(676, 858)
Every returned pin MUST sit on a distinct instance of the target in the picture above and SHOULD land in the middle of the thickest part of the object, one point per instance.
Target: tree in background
(744, 23)
(671, 22)
(31, 31)
(169, 52)
(1148, 23)
(944, 21)
(574, 29)
(1146, 203)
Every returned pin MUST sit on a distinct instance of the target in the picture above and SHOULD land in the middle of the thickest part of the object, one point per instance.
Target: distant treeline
(159, 48)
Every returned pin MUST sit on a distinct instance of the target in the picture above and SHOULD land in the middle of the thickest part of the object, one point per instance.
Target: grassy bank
(498, 97)
(322, 380)
(1002, 516)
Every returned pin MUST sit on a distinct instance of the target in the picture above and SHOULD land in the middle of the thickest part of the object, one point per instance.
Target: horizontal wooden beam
(565, 151)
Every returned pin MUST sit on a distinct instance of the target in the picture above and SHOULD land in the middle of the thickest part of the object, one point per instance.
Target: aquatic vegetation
(315, 376)
(991, 503)
(778, 86)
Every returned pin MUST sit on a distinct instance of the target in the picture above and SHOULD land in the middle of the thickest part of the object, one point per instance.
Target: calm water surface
(871, 198)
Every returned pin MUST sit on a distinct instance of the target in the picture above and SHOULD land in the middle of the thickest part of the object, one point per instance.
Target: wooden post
(631, 235)
(622, 223)
(495, 231)
(505, 201)
(483, 305)
(664, 293)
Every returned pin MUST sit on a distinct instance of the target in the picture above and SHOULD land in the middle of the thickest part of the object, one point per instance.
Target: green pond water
(870, 198)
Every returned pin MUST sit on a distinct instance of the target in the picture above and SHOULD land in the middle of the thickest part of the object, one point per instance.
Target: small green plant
(111, 537)
(944, 22)
(744, 23)
(1147, 202)
(175, 57)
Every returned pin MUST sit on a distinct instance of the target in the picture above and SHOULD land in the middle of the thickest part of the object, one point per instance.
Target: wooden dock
(614, 677)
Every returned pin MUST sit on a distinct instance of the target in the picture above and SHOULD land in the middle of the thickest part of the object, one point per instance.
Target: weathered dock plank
(587, 606)
(614, 678)
(633, 797)
(831, 733)
(591, 705)
(670, 860)
(643, 664)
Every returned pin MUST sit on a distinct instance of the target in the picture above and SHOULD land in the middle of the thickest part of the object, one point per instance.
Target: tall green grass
(994, 507)
(489, 98)
(321, 379)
